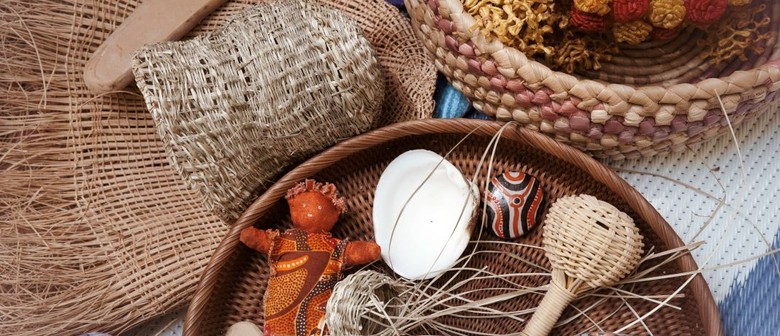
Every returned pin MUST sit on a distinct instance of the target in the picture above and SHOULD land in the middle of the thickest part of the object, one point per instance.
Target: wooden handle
(549, 310)
(152, 21)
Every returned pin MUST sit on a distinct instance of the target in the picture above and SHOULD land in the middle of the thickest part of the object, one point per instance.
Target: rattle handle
(549, 310)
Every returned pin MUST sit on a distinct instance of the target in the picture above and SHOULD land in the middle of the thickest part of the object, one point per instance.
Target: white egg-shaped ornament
(515, 203)
(423, 214)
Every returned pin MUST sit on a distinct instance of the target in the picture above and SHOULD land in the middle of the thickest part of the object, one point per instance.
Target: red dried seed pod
(629, 10)
(662, 34)
(589, 22)
(705, 12)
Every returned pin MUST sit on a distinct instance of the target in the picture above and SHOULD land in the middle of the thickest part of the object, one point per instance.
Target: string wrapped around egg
(515, 203)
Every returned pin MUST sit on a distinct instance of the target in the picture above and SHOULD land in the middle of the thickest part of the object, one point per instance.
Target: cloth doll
(306, 261)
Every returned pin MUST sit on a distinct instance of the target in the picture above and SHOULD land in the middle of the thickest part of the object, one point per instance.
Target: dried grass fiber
(97, 230)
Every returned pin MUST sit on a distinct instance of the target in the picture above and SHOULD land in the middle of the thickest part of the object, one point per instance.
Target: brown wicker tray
(232, 287)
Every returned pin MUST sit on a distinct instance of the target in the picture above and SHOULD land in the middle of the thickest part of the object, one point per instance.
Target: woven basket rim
(708, 310)
(775, 57)
(607, 118)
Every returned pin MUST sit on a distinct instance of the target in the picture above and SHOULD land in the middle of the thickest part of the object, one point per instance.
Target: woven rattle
(590, 244)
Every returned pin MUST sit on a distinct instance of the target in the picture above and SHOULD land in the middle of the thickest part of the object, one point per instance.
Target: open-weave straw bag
(278, 82)
(651, 98)
(97, 230)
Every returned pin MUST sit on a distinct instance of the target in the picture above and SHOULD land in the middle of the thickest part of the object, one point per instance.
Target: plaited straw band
(678, 104)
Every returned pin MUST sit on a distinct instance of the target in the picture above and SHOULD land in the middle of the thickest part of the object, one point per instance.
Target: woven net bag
(651, 98)
(277, 83)
(99, 231)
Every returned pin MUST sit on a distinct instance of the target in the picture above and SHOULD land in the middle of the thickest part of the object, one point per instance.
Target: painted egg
(515, 202)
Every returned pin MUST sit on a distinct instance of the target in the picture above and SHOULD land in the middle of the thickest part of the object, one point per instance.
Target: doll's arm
(256, 239)
(361, 252)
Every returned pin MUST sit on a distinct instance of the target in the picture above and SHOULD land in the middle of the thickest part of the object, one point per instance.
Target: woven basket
(97, 230)
(231, 288)
(268, 89)
(653, 97)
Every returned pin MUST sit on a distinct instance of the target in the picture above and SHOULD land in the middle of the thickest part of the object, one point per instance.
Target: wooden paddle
(152, 21)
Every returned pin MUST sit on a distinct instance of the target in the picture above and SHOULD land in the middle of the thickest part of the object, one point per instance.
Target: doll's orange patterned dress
(304, 268)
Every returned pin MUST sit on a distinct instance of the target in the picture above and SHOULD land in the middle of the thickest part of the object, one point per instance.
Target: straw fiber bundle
(97, 229)
(267, 89)
(232, 284)
(648, 98)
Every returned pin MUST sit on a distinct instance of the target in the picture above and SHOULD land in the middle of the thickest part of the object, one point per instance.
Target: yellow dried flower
(581, 52)
(523, 24)
(667, 14)
(538, 28)
(598, 7)
(633, 32)
(739, 2)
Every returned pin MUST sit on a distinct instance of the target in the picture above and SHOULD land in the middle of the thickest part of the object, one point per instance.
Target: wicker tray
(654, 97)
(233, 284)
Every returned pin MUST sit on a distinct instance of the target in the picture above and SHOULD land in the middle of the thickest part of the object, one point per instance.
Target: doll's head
(314, 207)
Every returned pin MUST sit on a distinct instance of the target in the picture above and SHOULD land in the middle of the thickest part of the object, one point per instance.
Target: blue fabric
(397, 3)
(753, 307)
(472, 113)
(450, 103)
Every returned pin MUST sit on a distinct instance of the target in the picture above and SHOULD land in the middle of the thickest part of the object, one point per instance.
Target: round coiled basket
(652, 97)
(232, 286)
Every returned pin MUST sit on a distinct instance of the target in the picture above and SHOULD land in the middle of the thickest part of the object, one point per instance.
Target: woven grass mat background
(97, 231)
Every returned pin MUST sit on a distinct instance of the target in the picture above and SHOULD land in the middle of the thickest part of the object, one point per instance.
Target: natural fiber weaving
(653, 97)
(98, 231)
(235, 276)
(237, 106)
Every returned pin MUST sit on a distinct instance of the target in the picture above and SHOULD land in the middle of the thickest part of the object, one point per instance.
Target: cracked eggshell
(431, 233)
